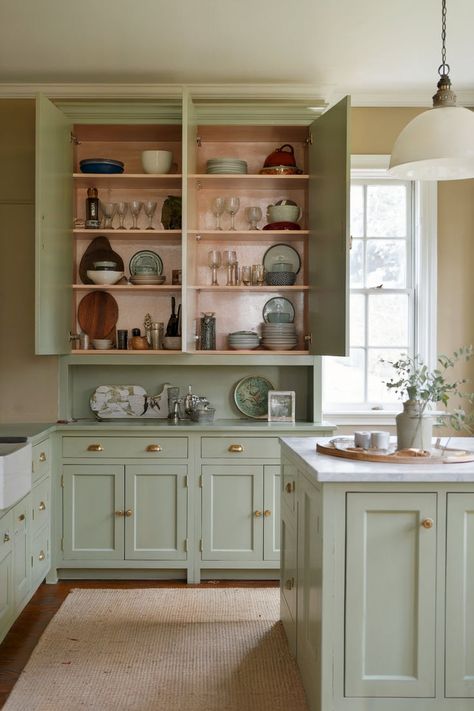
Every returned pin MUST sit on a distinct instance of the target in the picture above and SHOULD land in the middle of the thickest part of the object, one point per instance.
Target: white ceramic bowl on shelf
(104, 276)
(102, 344)
(156, 162)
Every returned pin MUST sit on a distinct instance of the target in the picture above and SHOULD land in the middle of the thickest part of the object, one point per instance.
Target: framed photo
(281, 406)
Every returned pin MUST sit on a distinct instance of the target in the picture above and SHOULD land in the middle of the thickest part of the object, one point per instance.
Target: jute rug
(162, 650)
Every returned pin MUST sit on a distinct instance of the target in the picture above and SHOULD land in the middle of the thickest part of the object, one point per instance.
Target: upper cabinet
(228, 253)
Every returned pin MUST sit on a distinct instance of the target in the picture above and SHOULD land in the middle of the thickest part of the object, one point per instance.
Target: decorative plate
(279, 305)
(251, 396)
(281, 253)
(145, 259)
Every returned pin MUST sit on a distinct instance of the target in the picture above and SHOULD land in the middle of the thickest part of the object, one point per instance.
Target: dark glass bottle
(92, 209)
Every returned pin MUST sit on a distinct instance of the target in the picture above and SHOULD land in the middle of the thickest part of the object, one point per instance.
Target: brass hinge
(200, 545)
(309, 138)
(309, 338)
(185, 545)
(74, 139)
(62, 481)
(198, 141)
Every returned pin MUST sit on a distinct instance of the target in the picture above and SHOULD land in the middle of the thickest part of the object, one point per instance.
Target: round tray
(403, 456)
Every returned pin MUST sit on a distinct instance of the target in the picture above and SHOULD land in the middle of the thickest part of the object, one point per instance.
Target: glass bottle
(208, 331)
(92, 209)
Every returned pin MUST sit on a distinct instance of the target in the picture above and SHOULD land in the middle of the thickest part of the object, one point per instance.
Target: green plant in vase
(424, 387)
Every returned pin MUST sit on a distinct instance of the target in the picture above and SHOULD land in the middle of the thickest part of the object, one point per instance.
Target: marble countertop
(336, 470)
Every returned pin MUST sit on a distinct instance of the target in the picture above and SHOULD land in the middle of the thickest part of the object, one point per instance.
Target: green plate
(251, 396)
(145, 259)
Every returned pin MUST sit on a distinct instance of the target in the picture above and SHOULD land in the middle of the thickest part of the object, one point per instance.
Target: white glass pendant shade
(437, 145)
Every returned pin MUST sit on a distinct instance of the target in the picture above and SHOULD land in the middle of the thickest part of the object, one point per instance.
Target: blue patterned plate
(251, 396)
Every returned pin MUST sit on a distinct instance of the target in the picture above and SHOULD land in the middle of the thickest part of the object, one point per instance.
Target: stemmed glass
(230, 258)
(135, 208)
(218, 207)
(232, 205)
(122, 208)
(214, 261)
(254, 215)
(109, 209)
(149, 208)
(246, 275)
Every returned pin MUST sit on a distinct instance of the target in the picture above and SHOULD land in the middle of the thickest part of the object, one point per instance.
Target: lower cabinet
(6, 573)
(21, 514)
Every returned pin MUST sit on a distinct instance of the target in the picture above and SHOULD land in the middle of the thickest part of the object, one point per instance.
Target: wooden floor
(22, 638)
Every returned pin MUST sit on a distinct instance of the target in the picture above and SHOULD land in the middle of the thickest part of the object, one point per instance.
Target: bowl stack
(148, 279)
(234, 166)
(279, 336)
(243, 340)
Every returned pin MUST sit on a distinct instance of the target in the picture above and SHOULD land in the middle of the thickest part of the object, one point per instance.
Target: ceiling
(382, 52)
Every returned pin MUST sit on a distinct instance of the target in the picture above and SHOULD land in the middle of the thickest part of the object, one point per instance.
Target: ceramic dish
(101, 165)
(280, 278)
(104, 276)
(281, 253)
(251, 396)
(281, 170)
(282, 226)
(278, 305)
(145, 259)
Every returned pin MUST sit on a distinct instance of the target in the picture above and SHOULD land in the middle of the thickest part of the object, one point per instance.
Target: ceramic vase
(414, 428)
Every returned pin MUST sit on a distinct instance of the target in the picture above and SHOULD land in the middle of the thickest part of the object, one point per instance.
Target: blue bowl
(101, 165)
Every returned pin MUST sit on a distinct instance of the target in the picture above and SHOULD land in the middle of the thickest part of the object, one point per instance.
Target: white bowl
(283, 213)
(104, 276)
(157, 161)
(102, 344)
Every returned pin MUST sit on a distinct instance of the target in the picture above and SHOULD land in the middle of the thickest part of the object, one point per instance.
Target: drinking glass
(258, 274)
(149, 208)
(232, 205)
(218, 207)
(135, 208)
(214, 261)
(230, 258)
(254, 215)
(246, 275)
(122, 208)
(109, 209)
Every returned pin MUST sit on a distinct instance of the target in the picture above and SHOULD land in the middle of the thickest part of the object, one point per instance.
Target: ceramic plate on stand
(251, 396)
(145, 259)
(279, 305)
(281, 253)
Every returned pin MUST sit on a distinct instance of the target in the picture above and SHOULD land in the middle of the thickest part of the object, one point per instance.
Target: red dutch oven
(281, 157)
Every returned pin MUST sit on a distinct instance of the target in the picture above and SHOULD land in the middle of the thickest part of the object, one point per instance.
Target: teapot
(281, 157)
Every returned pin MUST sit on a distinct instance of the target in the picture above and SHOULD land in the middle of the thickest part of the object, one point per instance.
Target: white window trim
(425, 246)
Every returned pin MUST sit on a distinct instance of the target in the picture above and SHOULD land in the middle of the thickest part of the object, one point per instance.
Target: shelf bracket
(198, 141)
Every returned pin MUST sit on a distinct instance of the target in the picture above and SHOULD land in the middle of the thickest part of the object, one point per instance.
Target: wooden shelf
(161, 235)
(131, 351)
(248, 181)
(125, 287)
(247, 235)
(117, 351)
(128, 180)
(250, 288)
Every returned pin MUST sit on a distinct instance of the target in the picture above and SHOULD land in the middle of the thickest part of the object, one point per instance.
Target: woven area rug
(162, 650)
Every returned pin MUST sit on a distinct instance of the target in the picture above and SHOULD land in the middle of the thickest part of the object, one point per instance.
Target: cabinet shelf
(136, 235)
(246, 181)
(247, 235)
(127, 180)
(260, 289)
(125, 287)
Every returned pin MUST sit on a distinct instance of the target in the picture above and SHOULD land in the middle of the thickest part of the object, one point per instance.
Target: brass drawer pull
(95, 448)
(21, 517)
(290, 584)
(128, 513)
(6, 537)
(427, 523)
(42, 457)
(42, 506)
(258, 514)
(236, 448)
(154, 448)
(290, 487)
(120, 513)
(42, 555)
(267, 513)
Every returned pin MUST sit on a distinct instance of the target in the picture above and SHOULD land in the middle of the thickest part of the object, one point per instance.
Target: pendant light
(439, 143)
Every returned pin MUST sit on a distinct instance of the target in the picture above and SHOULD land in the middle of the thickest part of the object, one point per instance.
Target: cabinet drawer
(41, 459)
(6, 534)
(40, 504)
(125, 447)
(240, 447)
(40, 559)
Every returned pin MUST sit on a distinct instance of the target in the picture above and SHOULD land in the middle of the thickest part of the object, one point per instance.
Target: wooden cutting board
(98, 314)
(99, 250)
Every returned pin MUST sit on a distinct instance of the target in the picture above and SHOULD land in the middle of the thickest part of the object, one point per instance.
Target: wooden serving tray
(403, 456)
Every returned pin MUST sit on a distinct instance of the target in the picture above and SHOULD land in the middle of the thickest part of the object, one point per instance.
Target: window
(392, 287)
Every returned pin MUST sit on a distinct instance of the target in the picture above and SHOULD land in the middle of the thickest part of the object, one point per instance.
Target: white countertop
(336, 470)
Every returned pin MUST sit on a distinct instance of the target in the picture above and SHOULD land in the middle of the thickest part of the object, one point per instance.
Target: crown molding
(398, 99)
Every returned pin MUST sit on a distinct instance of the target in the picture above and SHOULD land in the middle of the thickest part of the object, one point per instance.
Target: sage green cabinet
(21, 515)
(6, 573)
(288, 577)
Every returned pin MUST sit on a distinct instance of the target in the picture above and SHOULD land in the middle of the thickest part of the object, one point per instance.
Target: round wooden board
(396, 457)
(98, 314)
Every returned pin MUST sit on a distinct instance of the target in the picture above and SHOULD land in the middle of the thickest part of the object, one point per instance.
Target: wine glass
(218, 207)
(246, 275)
(214, 261)
(135, 208)
(254, 215)
(122, 208)
(109, 209)
(232, 205)
(149, 208)
(230, 258)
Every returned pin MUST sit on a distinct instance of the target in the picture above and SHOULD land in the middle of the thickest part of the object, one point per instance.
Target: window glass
(386, 210)
(386, 264)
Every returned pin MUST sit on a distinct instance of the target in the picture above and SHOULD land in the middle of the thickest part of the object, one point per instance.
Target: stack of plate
(147, 279)
(243, 340)
(279, 336)
(226, 165)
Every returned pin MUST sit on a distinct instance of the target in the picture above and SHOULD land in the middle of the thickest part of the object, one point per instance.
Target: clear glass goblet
(218, 207)
(214, 261)
(122, 209)
(135, 209)
(230, 258)
(246, 275)
(109, 209)
(254, 215)
(232, 205)
(149, 208)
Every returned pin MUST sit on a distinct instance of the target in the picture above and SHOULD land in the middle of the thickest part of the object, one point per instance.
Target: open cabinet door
(53, 240)
(329, 169)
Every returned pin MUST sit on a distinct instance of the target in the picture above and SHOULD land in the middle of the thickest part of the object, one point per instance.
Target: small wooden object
(97, 315)
(403, 456)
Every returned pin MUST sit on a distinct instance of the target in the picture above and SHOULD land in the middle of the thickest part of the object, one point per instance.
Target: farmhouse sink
(15, 470)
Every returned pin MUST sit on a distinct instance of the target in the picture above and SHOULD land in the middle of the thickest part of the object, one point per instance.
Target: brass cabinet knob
(21, 517)
(128, 513)
(288, 487)
(154, 448)
(290, 584)
(427, 523)
(236, 448)
(42, 506)
(42, 457)
(95, 448)
(42, 555)
(267, 513)
(6, 537)
(120, 513)
(258, 514)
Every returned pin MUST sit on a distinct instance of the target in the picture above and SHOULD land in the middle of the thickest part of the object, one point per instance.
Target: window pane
(357, 321)
(388, 320)
(386, 263)
(379, 373)
(344, 378)
(357, 264)
(357, 210)
(386, 211)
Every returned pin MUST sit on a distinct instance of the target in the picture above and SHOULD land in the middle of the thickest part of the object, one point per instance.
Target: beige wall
(28, 383)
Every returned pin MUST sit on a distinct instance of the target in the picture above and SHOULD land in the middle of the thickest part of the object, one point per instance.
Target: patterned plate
(145, 258)
(251, 396)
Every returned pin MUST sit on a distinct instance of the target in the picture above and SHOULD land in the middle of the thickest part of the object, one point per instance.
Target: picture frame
(281, 405)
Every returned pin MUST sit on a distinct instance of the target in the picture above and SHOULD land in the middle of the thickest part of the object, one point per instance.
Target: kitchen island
(377, 580)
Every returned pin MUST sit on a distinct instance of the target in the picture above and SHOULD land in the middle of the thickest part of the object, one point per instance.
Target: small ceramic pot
(139, 343)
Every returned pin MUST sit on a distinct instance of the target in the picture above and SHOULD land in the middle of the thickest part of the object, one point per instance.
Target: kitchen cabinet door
(156, 512)
(6, 594)
(232, 512)
(390, 595)
(53, 241)
(21, 551)
(328, 264)
(93, 511)
(288, 579)
(459, 596)
(271, 506)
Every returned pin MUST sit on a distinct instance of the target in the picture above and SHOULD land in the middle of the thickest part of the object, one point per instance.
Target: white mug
(379, 440)
(362, 439)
